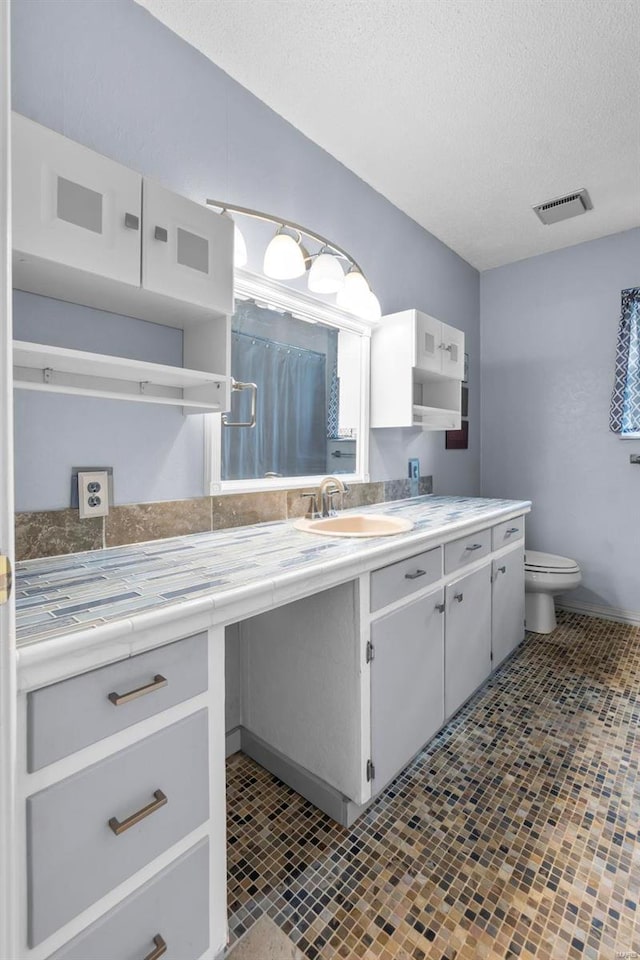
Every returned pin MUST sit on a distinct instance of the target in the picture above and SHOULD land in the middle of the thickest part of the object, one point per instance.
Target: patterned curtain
(624, 416)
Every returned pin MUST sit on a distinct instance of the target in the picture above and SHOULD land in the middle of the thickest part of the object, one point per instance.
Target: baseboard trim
(604, 613)
(321, 794)
(233, 741)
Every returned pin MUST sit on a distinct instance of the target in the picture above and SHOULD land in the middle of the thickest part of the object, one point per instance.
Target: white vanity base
(351, 663)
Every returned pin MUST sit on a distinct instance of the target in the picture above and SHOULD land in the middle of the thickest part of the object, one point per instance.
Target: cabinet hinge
(371, 771)
(370, 652)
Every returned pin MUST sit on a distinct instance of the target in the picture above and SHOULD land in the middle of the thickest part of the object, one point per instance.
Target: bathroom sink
(356, 525)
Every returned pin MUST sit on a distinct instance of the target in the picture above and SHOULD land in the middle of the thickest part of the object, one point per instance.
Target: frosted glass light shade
(239, 248)
(283, 258)
(352, 296)
(326, 274)
(372, 310)
(239, 245)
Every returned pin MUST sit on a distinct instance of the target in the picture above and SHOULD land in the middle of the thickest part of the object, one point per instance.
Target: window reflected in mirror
(308, 408)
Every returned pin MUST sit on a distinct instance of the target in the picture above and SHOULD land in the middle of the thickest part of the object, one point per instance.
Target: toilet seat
(537, 562)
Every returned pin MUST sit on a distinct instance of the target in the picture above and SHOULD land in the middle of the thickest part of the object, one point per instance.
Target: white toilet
(546, 575)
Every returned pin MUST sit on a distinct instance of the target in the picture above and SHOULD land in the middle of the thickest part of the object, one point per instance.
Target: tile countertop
(119, 587)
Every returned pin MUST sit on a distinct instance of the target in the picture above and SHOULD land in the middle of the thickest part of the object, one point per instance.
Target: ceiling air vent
(563, 208)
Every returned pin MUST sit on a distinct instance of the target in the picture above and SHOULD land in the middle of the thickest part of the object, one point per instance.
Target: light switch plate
(414, 469)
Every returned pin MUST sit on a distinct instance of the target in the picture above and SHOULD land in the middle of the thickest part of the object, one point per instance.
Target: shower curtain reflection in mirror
(308, 376)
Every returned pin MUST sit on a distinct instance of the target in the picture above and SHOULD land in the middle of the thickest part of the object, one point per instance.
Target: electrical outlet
(414, 469)
(93, 494)
(74, 502)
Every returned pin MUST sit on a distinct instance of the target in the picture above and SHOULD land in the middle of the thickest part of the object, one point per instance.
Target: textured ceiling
(463, 113)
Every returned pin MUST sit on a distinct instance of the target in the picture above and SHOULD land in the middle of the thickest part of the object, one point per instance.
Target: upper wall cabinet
(83, 224)
(417, 366)
(185, 251)
(90, 231)
(72, 206)
(439, 347)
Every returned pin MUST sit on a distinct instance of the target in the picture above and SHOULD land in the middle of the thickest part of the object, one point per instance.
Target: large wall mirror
(310, 363)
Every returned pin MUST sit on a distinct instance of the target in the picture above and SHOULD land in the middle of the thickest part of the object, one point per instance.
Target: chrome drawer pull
(459, 597)
(512, 530)
(440, 607)
(159, 950)
(118, 827)
(414, 576)
(117, 699)
(474, 546)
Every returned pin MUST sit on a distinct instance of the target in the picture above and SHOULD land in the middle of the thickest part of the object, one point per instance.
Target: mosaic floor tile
(516, 833)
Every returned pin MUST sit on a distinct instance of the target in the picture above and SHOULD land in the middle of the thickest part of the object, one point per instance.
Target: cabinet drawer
(74, 856)
(70, 715)
(174, 906)
(508, 532)
(404, 578)
(459, 553)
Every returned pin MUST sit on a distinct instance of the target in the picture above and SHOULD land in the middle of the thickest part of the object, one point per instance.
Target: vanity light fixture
(356, 296)
(326, 275)
(287, 258)
(239, 244)
(372, 309)
(354, 291)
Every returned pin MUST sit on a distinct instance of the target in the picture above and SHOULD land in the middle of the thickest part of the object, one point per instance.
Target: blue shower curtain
(624, 415)
(290, 434)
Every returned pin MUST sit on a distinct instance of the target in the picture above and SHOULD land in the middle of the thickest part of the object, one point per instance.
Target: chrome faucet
(327, 490)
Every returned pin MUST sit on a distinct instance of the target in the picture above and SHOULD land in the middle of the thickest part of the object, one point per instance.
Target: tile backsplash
(48, 533)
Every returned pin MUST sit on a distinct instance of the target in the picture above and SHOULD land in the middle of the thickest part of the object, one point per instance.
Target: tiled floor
(515, 834)
(265, 941)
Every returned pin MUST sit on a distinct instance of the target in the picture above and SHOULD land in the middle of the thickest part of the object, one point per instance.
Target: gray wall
(549, 328)
(107, 74)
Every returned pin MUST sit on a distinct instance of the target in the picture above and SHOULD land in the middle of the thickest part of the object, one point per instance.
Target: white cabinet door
(72, 206)
(452, 351)
(428, 341)
(467, 636)
(507, 604)
(9, 884)
(187, 250)
(407, 684)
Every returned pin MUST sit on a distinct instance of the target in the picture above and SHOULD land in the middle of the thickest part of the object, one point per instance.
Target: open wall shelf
(61, 370)
(436, 418)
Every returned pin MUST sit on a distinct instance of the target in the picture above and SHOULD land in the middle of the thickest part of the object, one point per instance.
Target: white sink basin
(356, 525)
